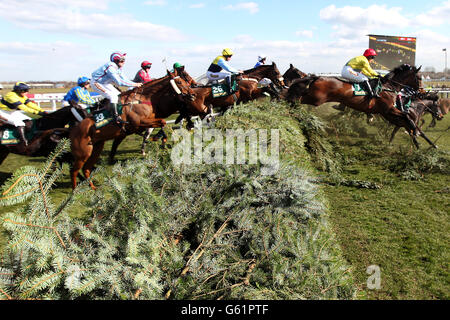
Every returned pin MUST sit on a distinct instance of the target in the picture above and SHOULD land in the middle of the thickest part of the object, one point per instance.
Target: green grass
(402, 227)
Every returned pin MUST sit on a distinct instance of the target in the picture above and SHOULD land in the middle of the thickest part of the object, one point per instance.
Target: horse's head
(291, 74)
(267, 71)
(405, 75)
(433, 108)
(181, 87)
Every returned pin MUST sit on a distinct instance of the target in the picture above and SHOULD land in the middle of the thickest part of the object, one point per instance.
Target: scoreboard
(392, 51)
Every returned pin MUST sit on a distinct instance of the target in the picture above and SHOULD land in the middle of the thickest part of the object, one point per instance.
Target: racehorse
(444, 107)
(248, 90)
(202, 109)
(165, 101)
(270, 72)
(50, 129)
(138, 113)
(292, 74)
(314, 90)
(416, 112)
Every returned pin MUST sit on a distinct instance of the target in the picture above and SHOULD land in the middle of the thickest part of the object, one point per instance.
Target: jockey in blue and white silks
(111, 73)
(261, 60)
(79, 95)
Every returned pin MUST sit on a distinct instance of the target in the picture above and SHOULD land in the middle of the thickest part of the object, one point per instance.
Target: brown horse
(270, 72)
(248, 90)
(314, 90)
(166, 102)
(50, 129)
(292, 74)
(88, 141)
(416, 112)
(444, 107)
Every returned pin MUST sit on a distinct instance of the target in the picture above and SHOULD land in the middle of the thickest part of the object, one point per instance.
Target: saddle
(102, 116)
(9, 135)
(359, 90)
(220, 88)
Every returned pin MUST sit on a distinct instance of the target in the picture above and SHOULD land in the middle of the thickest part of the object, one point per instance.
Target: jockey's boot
(23, 140)
(118, 119)
(368, 88)
(229, 83)
(401, 106)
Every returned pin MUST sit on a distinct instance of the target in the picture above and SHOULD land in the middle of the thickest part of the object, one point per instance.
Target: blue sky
(62, 39)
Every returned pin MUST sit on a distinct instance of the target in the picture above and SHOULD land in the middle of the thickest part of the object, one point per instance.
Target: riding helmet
(370, 53)
(21, 87)
(117, 57)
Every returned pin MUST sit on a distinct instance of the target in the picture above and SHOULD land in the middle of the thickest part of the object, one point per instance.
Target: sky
(60, 40)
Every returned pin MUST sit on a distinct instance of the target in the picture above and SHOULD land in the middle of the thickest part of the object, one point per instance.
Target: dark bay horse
(50, 129)
(314, 90)
(292, 74)
(88, 141)
(416, 111)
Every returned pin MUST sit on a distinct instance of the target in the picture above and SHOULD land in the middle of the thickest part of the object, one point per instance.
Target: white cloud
(156, 3)
(82, 19)
(197, 5)
(251, 7)
(436, 16)
(350, 22)
(304, 33)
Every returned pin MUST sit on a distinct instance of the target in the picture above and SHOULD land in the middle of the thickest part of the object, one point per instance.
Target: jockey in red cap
(142, 76)
(359, 70)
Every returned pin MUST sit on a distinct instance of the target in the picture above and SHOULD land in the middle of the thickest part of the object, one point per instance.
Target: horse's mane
(257, 68)
(400, 69)
(146, 85)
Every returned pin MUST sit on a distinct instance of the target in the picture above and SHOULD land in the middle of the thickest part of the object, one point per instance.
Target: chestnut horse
(88, 141)
(165, 101)
(314, 90)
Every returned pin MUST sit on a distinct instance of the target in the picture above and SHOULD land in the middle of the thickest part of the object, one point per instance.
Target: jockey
(14, 104)
(79, 95)
(142, 76)
(220, 69)
(111, 73)
(184, 75)
(261, 60)
(359, 70)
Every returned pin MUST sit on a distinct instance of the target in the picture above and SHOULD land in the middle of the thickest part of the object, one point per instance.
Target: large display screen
(392, 51)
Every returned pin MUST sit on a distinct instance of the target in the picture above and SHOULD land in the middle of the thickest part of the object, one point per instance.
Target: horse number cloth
(10, 136)
(221, 89)
(104, 117)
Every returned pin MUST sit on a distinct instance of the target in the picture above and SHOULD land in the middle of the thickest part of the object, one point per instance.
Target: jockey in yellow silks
(221, 69)
(359, 70)
(14, 104)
